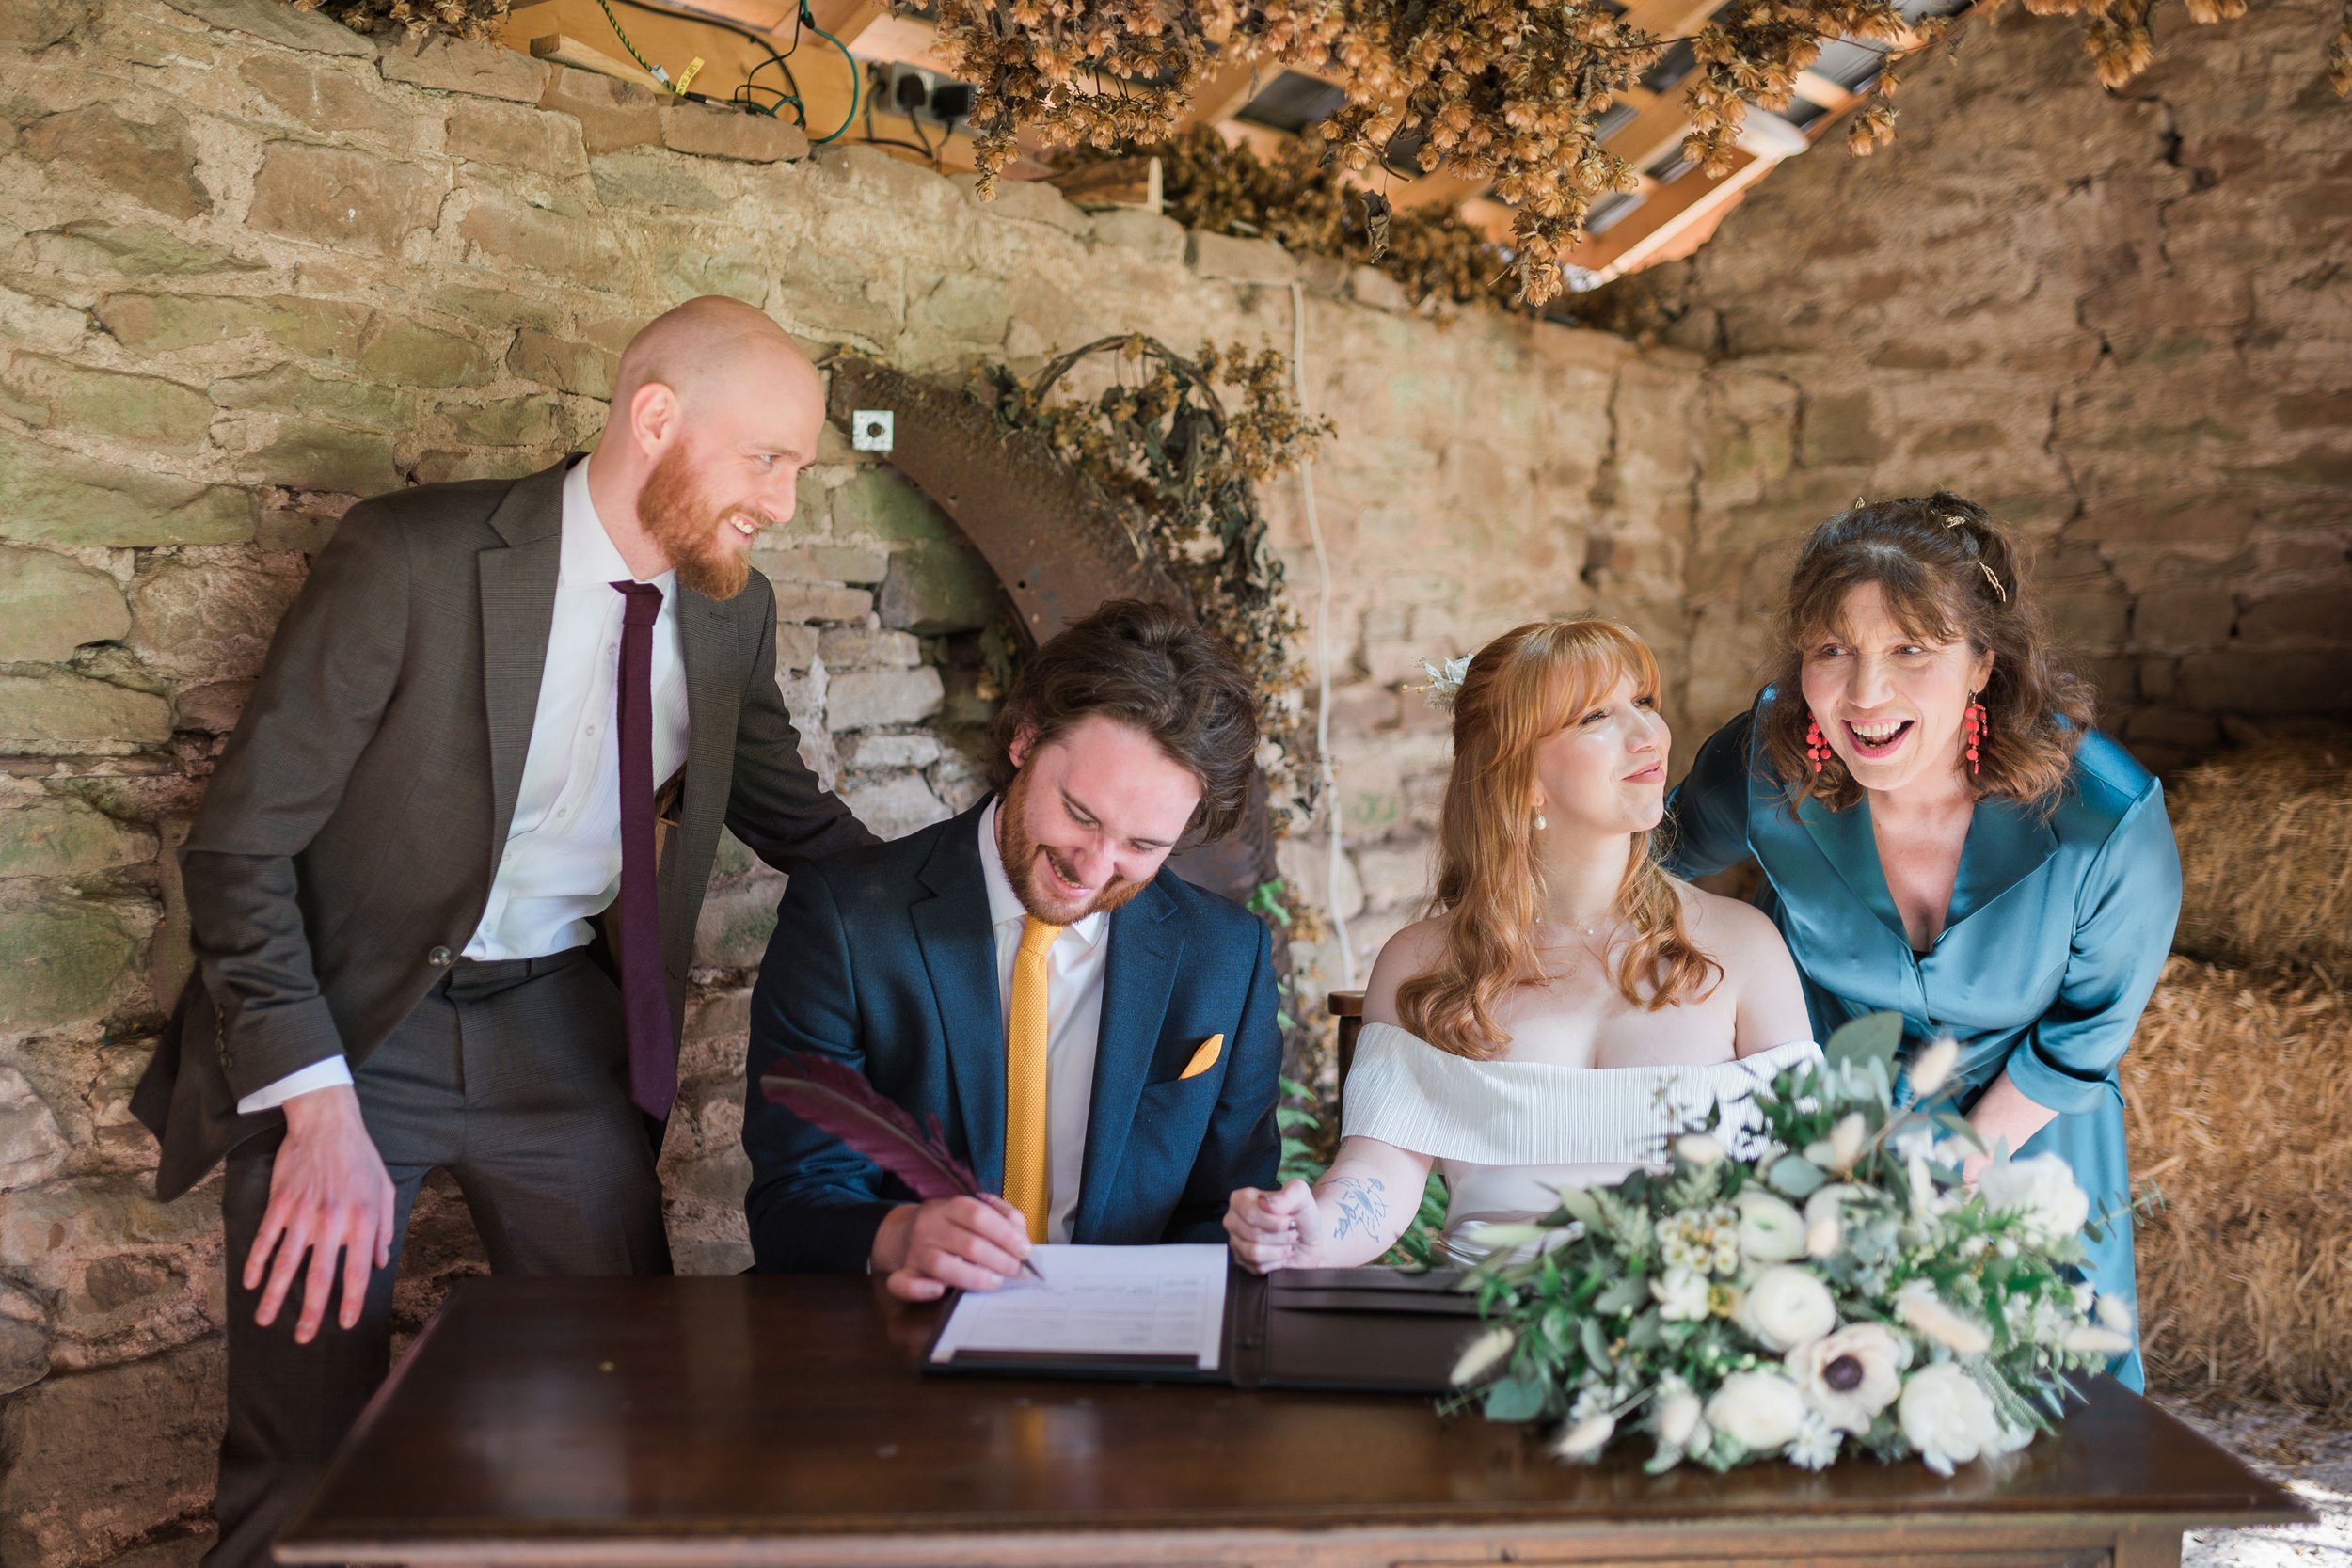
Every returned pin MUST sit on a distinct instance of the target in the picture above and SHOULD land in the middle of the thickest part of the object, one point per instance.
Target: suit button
(438, 957)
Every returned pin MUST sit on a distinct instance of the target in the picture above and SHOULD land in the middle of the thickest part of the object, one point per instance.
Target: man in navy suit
(1095, 1036)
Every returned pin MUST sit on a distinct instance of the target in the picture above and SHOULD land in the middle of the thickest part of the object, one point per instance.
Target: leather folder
(1369, 1330)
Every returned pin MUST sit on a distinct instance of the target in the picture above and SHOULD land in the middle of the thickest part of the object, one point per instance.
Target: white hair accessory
(1443, 684)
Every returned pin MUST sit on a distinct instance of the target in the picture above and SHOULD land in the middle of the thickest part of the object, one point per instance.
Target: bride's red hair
(1523, 687)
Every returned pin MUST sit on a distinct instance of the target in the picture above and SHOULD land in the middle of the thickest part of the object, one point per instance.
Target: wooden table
(743, 1420)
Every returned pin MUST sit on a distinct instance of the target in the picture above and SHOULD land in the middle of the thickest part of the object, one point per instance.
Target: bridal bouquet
(1827, 1286)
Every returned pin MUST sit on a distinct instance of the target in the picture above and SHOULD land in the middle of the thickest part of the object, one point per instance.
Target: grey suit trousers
(513, 1076)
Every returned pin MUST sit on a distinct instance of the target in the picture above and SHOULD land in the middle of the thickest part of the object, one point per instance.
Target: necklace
(1572, 925)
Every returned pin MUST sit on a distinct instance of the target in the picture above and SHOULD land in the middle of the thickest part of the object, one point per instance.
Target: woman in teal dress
(1944, 835)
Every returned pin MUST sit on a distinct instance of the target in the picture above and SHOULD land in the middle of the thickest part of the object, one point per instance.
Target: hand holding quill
(835, 1098)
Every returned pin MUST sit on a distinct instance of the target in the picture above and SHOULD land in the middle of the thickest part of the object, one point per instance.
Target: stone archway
(1056, 545)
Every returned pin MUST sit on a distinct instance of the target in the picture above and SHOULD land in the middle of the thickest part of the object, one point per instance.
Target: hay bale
(2239, 1110)
(2265, 836)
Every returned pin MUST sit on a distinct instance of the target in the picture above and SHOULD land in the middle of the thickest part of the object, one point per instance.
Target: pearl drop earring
(1540, 823)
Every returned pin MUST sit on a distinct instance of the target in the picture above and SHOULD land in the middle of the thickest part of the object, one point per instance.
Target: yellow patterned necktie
(1026, 1187)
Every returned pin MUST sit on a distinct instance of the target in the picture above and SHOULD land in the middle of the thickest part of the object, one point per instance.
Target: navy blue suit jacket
(884, 957)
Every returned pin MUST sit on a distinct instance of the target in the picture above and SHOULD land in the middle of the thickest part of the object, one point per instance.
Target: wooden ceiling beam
(849, 20)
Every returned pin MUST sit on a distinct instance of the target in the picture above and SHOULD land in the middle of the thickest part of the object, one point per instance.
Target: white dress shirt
(561, 864)
(1073, 1023)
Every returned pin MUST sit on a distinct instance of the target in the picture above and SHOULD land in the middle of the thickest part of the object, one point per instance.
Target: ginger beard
(709, 555)
(1021, 853)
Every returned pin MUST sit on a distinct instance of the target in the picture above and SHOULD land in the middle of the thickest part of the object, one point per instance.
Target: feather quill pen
(835, 1098)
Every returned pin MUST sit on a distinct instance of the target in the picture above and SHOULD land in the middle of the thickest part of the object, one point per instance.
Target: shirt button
(438, 957)
(562, 812)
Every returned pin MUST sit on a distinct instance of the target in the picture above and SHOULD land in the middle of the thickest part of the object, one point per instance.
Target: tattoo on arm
(1361, 1205)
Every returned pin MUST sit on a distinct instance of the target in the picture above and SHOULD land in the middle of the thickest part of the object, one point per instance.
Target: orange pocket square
(1204, 1058)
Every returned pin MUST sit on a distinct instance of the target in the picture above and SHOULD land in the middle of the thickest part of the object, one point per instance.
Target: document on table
(1160, 1303)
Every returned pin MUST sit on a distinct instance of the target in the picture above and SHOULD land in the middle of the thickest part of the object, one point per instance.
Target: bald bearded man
(443, 887)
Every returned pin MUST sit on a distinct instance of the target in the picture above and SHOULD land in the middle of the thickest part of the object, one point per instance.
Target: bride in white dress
(1567, 1005)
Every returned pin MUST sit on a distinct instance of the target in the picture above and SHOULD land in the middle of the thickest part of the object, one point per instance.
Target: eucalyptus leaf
(1595, 1343)
(1873, 1036)
(1515, 1398)
(1626, 1295)
(1958, 1127)
(1796, 1176)
(1580, 1203)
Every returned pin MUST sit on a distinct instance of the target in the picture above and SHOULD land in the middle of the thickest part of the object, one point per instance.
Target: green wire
(643, 64)
(856, 74)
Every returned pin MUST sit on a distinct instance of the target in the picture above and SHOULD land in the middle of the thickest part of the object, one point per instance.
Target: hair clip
(1995, 578)
(1444, 684)
(1951, 519)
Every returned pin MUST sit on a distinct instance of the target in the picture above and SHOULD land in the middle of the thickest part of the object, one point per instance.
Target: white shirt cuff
(322, 1075)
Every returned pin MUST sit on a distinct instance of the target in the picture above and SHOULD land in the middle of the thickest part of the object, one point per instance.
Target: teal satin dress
(2057, 932)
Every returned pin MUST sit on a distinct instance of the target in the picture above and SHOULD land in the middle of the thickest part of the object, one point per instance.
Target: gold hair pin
(1950, 520)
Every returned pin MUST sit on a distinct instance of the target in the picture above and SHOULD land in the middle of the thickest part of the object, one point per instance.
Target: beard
(693, 532)
(1020, 852)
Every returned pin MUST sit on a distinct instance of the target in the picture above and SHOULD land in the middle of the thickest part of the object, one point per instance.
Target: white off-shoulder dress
(1508, 1135)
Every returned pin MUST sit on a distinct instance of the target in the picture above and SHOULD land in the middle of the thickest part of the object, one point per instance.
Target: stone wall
(2122, 320)
(253, 265)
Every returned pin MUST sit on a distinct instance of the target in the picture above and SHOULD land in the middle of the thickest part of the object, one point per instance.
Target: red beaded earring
(1978, 725)
(1816, 744)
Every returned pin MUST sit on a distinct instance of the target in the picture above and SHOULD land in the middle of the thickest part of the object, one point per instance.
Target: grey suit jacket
(345, 848)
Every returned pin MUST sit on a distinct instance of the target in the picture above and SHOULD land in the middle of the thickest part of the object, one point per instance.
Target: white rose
(1760, 1411)
(1700, 1150)
(2042, 1190)
(1481, 1355)
(1947, 1416)
(1678, 1418)
(1771, 1231)
(1681, 1295)
(1585, 1440)
(1788, 1307)
(1921, 1308)
(1850, 1375)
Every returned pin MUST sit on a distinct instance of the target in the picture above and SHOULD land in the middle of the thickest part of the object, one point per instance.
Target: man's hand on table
(965, 1244)
(329, 1199)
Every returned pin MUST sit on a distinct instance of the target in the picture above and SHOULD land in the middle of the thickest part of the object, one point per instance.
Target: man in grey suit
(446, 776)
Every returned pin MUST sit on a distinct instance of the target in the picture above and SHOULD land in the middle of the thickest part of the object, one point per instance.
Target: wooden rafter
(1673, 215)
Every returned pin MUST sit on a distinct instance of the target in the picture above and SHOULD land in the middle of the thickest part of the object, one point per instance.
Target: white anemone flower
(1850, 1375)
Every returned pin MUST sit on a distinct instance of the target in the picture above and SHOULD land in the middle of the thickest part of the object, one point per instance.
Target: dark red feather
(835, 1098)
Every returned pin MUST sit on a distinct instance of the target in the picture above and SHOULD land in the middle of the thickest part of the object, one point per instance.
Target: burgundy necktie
(644, 991)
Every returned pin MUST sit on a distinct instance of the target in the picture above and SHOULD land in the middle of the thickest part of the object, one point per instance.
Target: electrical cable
(857, 76)
(643, 64)
(708, 19)
(1326, 771)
